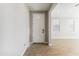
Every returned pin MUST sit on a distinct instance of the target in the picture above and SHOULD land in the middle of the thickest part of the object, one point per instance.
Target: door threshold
(40, 43)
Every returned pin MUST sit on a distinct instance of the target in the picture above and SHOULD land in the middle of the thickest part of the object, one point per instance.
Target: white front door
(38, 27)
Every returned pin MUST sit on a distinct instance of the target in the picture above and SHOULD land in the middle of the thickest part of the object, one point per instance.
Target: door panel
(38, 27)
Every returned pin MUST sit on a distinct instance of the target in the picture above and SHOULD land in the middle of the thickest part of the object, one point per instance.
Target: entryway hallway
(39, 29)
(62, 33)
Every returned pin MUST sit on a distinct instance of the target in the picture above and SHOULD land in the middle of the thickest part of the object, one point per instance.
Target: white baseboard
(29, 46)
(25, 50)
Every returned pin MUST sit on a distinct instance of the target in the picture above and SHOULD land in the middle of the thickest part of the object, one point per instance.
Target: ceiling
(39, 6)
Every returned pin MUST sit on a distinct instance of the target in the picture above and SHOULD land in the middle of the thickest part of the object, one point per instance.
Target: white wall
(64, 12)
(14, 28)
(64, 42)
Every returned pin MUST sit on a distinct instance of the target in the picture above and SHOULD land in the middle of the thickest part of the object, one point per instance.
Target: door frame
(46, 26)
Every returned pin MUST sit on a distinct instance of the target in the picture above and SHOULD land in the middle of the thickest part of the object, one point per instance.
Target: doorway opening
(39, 27)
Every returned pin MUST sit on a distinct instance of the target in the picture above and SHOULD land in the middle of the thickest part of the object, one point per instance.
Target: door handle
(43, 30)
